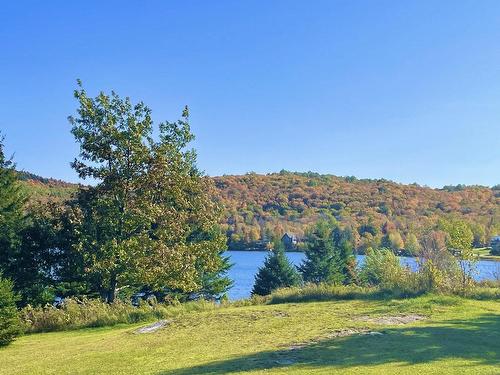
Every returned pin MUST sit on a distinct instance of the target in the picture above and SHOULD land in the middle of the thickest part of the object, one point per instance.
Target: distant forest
(259, 208)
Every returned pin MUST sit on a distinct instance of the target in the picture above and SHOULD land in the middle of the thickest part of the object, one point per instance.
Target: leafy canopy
(151, 218)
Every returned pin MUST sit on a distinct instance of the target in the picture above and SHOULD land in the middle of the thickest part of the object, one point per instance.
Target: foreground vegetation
(456, 335)
(149, 230)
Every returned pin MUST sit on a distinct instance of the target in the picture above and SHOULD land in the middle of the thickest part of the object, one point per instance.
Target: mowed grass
(458, 336)
(485, 254)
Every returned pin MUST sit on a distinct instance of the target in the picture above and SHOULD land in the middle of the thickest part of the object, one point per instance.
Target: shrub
(439, 270)
(322, 292)
(85, 313)
(10, 326)
(483, 293)
(382, 268)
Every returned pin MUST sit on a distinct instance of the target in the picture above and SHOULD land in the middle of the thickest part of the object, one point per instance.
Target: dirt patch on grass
(393, 320)
(345, 332)
(352, 331)
(153, 327)
(281, 314)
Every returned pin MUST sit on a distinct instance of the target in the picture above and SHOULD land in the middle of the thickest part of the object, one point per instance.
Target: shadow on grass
(472, 340)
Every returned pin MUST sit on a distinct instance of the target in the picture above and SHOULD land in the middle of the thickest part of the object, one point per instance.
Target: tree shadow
(472, 340)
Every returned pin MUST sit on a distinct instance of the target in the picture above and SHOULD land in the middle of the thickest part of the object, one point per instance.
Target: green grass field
(485, 254)
(457, 336)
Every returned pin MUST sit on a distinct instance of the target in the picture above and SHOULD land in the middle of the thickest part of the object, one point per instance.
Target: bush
(10, 326)
(322, 292)
(85, 313)
(439, 270)
(483, 293)
(382, 268)
(434, 277)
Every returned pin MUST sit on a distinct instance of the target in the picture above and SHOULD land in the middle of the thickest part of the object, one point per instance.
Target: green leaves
(460, 235)
(149, 219)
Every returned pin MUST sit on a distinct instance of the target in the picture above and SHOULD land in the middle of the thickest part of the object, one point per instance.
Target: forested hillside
(259, 207)
(41, 189)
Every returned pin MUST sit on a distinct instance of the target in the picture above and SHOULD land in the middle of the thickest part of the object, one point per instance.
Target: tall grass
(322, 292)
(74, 314)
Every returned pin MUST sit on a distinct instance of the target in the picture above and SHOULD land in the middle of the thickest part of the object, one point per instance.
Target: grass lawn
(458, 336)
(485, 253)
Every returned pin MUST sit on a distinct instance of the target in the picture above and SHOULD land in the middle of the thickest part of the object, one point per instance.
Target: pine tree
(215, 283)
(12, 219)
(329, 255)
(10, 326)
(343, 247)
(277, 272)
(322, 263)
(26, 246)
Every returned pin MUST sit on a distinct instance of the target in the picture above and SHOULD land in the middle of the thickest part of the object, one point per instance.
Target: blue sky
(404, 90)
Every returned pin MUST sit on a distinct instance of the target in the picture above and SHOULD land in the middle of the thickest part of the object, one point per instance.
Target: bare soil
(393, 320)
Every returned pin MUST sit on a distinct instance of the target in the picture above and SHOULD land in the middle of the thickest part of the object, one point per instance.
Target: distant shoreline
(494, 258)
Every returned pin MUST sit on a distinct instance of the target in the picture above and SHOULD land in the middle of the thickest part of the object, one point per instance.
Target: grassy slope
(460, 336)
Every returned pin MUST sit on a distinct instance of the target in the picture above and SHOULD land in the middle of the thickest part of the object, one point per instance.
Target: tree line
(380, 213)
(257, 208)
(446, 261)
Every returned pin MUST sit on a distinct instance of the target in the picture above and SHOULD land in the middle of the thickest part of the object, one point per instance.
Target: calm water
(246, 264)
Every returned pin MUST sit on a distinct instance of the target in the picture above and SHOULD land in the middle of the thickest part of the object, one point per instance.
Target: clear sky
(404, 90)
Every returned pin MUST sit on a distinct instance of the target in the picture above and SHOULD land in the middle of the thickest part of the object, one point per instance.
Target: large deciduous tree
(151, 217)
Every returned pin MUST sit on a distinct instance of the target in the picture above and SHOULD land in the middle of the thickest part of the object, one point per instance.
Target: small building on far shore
(290, 241)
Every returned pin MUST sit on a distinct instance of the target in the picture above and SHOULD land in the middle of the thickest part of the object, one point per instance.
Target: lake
(246, 264)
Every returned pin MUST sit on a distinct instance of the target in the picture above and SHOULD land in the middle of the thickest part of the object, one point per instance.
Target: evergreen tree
(215, 283)
(322, 263)
(343, 247)
(277, 272)
(13, 261)
(329, 255)
(50, 238)
(34, 252)
(10, 326)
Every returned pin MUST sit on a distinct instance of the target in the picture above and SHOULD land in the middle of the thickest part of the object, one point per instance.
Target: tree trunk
(110, 298)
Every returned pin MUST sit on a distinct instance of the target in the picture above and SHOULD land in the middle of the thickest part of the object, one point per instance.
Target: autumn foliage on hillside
(41, 189)
(379, 212)
(259, 208)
